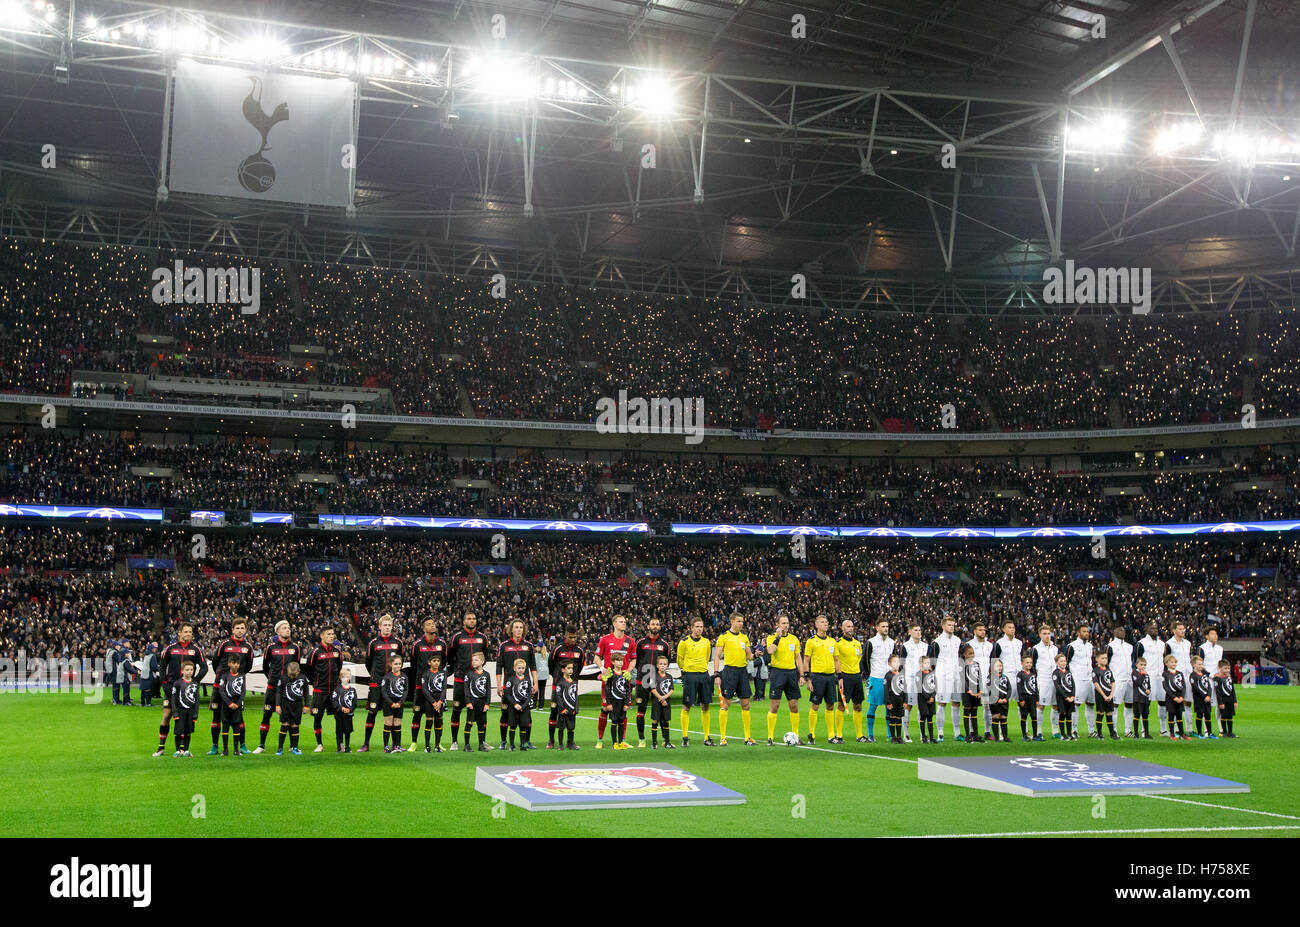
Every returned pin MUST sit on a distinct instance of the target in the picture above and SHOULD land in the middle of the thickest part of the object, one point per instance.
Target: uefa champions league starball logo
(1051, 764)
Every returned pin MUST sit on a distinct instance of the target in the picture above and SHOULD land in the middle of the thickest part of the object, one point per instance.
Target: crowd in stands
(66, 592)
(447, 347)
(54, 467)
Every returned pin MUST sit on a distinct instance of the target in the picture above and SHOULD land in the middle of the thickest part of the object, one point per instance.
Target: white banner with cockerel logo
(262, 134)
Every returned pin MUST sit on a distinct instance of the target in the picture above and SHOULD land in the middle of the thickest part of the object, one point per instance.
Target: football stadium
(654, 418)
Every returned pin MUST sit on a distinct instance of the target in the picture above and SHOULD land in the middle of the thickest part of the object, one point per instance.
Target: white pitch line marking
(874, 756)
(1131, 830)
(1206, 804)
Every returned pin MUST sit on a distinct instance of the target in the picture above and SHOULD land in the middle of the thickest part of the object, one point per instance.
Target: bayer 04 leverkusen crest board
(601, 785)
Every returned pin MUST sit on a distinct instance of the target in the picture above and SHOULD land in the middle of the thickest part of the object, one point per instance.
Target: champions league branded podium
(1086, 774)
(600, 785)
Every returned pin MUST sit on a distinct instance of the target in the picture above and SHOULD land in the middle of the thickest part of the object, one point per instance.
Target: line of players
(1102, 682)
(317, 684)
(900, 676)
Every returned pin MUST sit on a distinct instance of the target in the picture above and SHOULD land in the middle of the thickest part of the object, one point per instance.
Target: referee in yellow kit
(693, 660)
(849, 650)
(785, 670)
(732, 647)
(821, 669)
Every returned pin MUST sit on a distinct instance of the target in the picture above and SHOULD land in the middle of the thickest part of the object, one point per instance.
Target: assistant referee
(693, 660)
(732, 647)
(783, 652)
(821, 667)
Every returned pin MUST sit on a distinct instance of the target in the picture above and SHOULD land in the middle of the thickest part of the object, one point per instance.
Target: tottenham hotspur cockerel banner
(261, 134)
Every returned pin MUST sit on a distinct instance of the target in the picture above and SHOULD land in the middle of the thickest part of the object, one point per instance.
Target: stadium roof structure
(1152, 133)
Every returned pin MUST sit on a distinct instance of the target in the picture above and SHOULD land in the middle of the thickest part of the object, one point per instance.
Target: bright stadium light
(653, 94)
(12, 16)
(1174, 137)
(1109, 133)
(1249, 147)
(505, 79)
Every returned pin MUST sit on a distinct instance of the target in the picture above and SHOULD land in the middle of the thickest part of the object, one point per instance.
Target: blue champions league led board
(1086, 774)
(484, 524)
(327, 566)
(270, 518)
(150, 563)
(1024, 533)
(80, 511)
(600, 785)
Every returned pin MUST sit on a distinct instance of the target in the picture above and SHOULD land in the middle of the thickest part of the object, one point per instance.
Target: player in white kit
(1181, 648)
(876, 653)
(1044, 654)
(945, 654)
(1008, 649)
(1119, 653)
(1079, 653)
(1152, 649)
(983, 648)
(912, 649)
(1211, 652)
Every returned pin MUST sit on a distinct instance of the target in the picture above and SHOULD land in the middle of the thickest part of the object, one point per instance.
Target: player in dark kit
(1141, 699)
(1175, 687)
(324, 665)
(184, 699)
(1202, 692)
(422, 653)
(618, 691)
(392, 693)
(234, 646)
(999, 700)
(566, 702)
(275, 661)
(972, 694)
(567, 652)
(461, 649)
(1103, 682)
(290, 696)
(173, 657)
(230, 693)
(648, 651)
(895, 699)
(1225, 696)
(430, 699)
(379, 658)
(661, 694)
(927, 686)
(477, 694)
(1063, 686)
(1027, 697)
(513, 648)
(343, 705)
(518, 699)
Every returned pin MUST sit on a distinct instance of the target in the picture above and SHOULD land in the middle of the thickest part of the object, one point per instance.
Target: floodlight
(1173, 137)
(1107, 133)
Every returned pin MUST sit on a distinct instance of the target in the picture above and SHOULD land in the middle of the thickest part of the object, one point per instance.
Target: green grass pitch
(73, 769)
